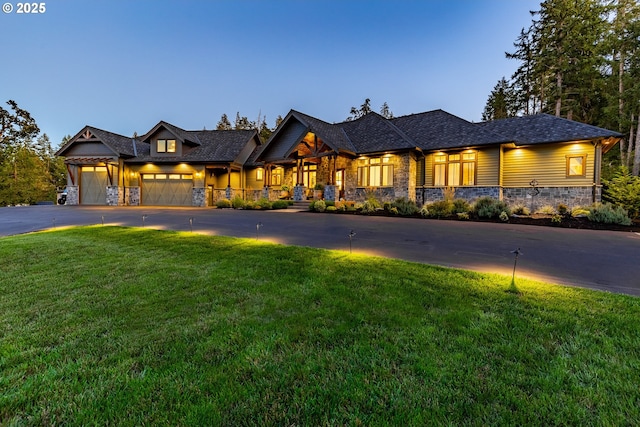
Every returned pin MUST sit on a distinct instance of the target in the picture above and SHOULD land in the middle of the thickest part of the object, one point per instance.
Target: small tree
(623, 190)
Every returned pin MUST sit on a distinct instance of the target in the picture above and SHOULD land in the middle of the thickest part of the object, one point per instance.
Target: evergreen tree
(385, 111)
(224, 123)
(502, 102)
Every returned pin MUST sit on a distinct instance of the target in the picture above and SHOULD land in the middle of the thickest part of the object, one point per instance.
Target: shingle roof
(119, 144)
(373, 133)
(544, 129)
(331, 134)
(437, 129)
(221, 146)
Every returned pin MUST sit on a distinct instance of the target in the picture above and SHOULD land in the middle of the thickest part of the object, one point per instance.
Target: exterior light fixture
(143, 218)
(517, 252)
(351, 235)
(191, 223)
(258, 226)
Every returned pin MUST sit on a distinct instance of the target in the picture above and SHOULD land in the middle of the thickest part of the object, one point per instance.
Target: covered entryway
(162, 189)
(93, 185)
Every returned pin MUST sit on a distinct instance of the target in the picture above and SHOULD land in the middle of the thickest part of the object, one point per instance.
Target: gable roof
(545, 128)
(217, 146)
(121, 145)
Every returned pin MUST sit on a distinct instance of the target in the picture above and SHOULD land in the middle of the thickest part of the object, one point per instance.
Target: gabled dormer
(166, 140)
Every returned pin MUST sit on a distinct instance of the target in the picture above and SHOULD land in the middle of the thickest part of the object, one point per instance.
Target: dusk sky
(123, 65)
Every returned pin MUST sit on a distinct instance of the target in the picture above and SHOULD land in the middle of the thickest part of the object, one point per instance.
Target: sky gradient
(124, 65)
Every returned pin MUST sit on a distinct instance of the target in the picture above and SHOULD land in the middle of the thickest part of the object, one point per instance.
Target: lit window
(276, 176)
(454, 169)
(166, 146)
(376, 172)
(259, 174)
(576, 165)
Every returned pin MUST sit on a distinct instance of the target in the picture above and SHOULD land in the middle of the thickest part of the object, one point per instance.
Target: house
(415, 156)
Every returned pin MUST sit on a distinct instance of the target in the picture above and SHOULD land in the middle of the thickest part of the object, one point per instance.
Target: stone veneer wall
(199, 196)
(298, 193)
(115, 195)
(73, 195)
(330, 192)
(132, 194)
(570, 196)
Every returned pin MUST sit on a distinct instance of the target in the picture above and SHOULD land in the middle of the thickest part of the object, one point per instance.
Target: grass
(109, 325)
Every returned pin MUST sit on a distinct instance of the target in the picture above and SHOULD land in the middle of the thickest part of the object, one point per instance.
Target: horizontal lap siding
(488, 167)
(547, 164)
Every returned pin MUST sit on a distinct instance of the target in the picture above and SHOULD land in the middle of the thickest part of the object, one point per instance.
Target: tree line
(29, 170)
(579, 59)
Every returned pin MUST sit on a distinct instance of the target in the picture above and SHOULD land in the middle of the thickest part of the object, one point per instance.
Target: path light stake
(103, 220)
(191, 223)
(143, 218)
(258, 225)
(351, 234)
(515, 262)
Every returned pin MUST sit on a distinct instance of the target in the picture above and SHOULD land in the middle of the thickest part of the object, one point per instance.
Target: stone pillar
(298, 193)
(73, 195)
(199, 197)
(113, 195)
(228, 193)
(265, 193)
(330, 192)
(133, 196)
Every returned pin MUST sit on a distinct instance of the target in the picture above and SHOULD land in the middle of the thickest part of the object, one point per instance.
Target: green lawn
(109, 325)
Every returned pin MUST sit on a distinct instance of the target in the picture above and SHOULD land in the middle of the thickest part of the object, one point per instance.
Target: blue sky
(124, 65)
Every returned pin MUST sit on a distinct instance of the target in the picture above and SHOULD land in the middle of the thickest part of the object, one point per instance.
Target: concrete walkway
(604, 260)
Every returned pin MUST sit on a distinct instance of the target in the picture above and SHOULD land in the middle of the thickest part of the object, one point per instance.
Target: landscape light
(258, 225)
(515, 262)
(351, 235)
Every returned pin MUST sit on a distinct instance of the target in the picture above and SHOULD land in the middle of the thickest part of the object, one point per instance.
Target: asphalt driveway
(605, 260)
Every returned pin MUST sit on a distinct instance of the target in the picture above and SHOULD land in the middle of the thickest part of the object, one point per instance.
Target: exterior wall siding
(547, 165)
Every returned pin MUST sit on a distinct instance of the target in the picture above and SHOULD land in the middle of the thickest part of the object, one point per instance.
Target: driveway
(605, 260)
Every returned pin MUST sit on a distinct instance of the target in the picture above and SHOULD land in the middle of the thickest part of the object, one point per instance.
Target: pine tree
(502, 102)
(224, 123)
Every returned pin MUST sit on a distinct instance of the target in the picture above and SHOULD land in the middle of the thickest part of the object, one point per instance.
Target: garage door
(162, 189)
(93, 185)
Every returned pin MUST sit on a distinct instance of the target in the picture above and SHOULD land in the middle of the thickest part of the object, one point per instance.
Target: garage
(163, 189)
(93, 188)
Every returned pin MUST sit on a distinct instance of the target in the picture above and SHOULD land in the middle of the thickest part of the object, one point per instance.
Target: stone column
(330, 192)
(298, 193)
(73, 195)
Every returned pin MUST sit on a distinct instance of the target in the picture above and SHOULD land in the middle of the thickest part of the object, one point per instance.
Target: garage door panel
(166, 192)
(93, 187)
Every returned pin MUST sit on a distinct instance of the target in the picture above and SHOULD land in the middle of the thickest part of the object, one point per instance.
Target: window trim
(568, 158)
(460, 161)
(165, 142)
(384, 168)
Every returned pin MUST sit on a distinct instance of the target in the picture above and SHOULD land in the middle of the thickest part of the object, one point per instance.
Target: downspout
(597, 167)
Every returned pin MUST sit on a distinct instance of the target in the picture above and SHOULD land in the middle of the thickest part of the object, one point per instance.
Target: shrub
(521, 210)
(424, 211)
(547, 210)
(331, 209)
(394, 211)
(404, 207)
(250, 204)
(449, 193)
(462, 215)
(504, 216)
(623, 190)
(329, 203)
(280, 204)
(223, 203)
(387, 206)
(341, 206)
(441, 208)
(461, 206)
(319, 206)
(579, 212)
(370, 206)
(562, 209)
(238, 202)
(488, 207)
(556, 218)
(312, 205)
(263, 203)
(609, 214)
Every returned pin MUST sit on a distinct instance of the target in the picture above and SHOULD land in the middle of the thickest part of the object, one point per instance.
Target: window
(576, 165)
(276, 176)
(166, 146)
(454, 169)
(375, 172)
(259, 174)
(308, 174)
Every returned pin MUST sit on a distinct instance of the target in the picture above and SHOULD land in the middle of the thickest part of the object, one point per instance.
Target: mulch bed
(535, 219)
